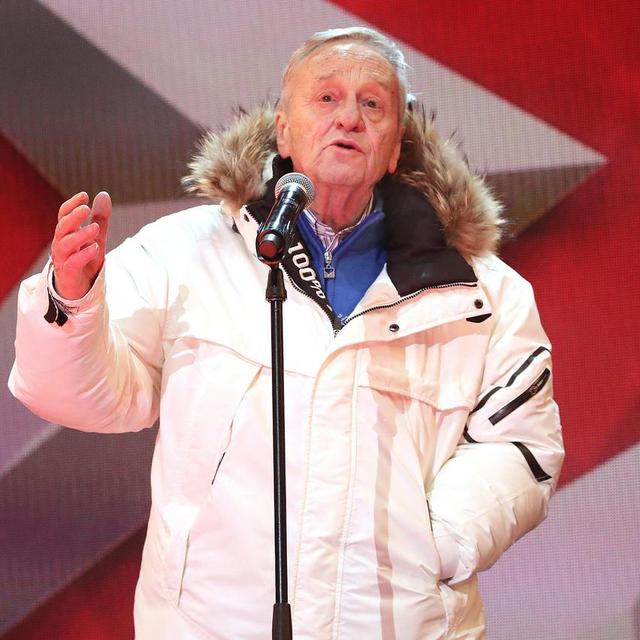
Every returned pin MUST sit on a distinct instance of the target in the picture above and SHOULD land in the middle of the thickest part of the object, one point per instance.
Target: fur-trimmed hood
(230, 166)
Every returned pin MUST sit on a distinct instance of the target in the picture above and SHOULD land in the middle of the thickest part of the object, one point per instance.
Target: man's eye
(326, 98)
(371, 103)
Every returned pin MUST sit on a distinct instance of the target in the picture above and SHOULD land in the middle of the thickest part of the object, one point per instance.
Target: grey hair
(378, 42)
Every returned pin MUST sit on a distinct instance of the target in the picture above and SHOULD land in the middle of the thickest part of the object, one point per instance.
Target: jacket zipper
(329, 271)
(510, 407)
(381, 306)
(218, 467)
(295, 286)
(409, 297)
(483, 401)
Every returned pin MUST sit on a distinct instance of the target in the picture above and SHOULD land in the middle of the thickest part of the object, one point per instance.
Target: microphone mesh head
(297, 178)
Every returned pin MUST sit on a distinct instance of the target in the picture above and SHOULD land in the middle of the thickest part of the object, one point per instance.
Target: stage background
(543, 98)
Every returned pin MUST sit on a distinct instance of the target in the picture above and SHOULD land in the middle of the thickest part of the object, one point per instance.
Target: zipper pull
(329, 271)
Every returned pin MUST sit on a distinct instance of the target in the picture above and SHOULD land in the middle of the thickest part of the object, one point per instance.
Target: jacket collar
(438, 214)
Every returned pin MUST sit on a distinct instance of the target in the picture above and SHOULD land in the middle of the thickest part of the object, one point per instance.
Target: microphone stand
(276, 295)
(293, 192)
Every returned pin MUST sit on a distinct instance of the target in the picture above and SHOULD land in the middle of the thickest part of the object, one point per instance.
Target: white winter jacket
(422, 438)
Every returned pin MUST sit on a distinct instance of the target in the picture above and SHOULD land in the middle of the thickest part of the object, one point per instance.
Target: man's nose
(349, 115)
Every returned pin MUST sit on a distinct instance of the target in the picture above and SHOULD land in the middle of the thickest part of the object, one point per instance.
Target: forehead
(352, 59)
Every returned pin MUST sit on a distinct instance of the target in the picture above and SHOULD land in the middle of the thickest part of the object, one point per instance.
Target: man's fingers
(76, 262)
(69, 224)
(71, 221)
(73, 242)
(73, 202)
(101, 207)
(76, 250)
(73, 217)
(101, 213)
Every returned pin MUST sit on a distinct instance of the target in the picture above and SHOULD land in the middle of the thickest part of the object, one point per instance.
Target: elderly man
(422, 437)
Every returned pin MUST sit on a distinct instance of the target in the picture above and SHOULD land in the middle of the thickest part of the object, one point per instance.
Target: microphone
(294, 191)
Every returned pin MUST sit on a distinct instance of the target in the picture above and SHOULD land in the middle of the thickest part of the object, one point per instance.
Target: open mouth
(345, 144)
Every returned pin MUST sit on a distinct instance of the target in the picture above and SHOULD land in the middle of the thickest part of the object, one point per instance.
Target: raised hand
(77, 251)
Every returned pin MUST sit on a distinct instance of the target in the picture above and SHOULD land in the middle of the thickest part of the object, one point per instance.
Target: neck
(340, 208)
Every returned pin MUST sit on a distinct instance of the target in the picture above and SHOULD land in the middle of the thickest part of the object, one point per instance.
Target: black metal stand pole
(276, 295)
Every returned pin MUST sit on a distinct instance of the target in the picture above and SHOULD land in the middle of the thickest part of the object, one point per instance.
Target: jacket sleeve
(101, 370)
(497, 485)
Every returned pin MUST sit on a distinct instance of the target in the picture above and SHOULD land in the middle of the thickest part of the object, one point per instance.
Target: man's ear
(395, 155)
(282, 134)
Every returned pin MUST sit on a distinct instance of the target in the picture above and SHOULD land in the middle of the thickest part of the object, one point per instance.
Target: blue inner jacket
(357, 260)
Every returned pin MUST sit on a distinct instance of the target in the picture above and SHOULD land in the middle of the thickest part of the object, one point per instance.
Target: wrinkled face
(339, 120)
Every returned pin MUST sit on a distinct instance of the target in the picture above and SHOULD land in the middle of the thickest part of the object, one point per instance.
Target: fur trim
(470, 215)
(229, 166)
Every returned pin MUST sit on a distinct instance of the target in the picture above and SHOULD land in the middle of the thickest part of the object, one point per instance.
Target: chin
(338, 178)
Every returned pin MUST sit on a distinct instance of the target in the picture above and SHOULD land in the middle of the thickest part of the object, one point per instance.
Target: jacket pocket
(193, 446)
(215, 473)
(442, 396)
(175, 557)
(454, 603)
